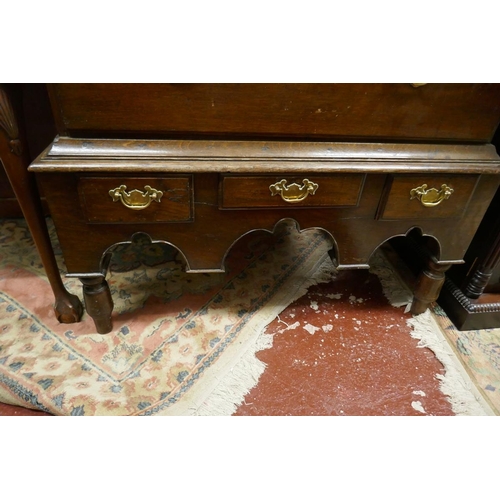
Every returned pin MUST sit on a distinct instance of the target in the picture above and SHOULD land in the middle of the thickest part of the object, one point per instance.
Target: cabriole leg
(67, 307)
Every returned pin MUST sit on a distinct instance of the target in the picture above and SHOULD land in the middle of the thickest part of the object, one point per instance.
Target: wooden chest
(199, 165)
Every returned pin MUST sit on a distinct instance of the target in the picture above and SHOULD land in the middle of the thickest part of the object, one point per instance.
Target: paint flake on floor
(310, 328)
(417, 405)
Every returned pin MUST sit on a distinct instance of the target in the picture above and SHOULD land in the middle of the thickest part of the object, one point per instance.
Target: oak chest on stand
(200, 165)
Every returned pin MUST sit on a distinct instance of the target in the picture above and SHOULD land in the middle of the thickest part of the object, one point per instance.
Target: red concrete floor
(17, 411)
(341, 349)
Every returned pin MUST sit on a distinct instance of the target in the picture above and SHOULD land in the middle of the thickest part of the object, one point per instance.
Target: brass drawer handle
(431, 197)
(294, 192)
(135, 199)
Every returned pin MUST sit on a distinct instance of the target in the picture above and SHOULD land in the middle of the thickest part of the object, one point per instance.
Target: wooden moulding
(114, 155)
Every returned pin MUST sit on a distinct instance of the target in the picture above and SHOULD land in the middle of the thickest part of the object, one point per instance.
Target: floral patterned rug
(176, 336)
(192, 330)
(479, 353)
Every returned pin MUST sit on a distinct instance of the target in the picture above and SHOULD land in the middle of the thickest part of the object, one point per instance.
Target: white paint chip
(310, 328)
(417, 405)
(419, 393)
(327, 328)
(314, 305)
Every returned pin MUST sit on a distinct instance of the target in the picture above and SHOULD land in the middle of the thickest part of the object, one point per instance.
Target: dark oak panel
(398, 111)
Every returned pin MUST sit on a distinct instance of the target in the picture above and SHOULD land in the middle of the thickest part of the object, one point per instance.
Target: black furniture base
(467, 313)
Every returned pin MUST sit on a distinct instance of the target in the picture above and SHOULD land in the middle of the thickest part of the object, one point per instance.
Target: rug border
(206, 400)
(468, 401)
(481, 393)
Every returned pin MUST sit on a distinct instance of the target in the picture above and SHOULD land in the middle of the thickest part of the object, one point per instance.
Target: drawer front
(136, 199)
(426, 196)
(290, 191)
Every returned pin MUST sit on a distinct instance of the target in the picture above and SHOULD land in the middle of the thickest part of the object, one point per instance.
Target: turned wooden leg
(98, 302)
(67, 307)
(428, 286)
(484, 265)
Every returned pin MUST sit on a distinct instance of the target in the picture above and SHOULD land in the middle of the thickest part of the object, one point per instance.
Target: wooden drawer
(139, 199)
(451, 112)
(290, 191)
(426, 196)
